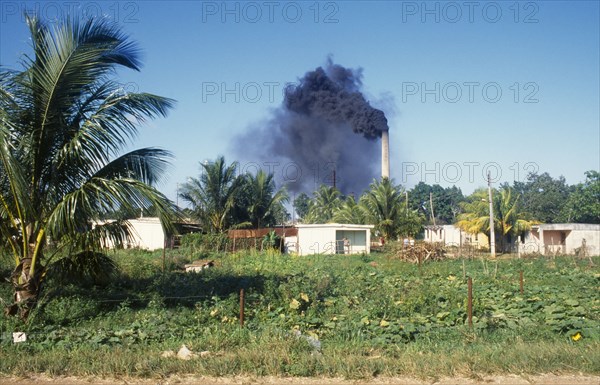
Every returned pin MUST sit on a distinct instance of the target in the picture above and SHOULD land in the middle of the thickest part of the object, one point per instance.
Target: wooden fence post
(521, 282)
(470, 302)
(242, 305)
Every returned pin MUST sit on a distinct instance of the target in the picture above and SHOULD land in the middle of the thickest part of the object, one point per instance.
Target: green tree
(350, 212)
(583, 204)
(384, 205)
(324, 204)
(509, 218)
(543, 196)
(212, 196)
(410, 223)
(264, 199)
(302, 204)
(64, 122)
(446, 201)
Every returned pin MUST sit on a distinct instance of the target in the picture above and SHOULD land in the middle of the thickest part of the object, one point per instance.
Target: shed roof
(567, 226)
(334, 225)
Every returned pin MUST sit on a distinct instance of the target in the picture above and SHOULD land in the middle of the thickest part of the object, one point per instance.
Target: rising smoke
(324, 124)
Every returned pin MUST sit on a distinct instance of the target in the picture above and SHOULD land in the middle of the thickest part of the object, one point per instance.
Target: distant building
(333, 238)
(451, 235)
(545, 239)
(562, 238)
(148, 234)
(306, 239)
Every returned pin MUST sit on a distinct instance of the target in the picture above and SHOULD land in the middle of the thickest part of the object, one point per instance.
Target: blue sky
(508, 87)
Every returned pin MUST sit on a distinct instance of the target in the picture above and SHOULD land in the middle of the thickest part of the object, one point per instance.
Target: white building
(330, 238)
(451, 235)
(562, 238)
(147, 234)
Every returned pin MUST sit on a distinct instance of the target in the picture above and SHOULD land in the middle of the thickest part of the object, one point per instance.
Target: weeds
(371, 315)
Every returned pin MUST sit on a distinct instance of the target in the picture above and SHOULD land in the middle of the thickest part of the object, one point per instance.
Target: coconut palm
(509, 219)
(385, 204)
(475, 217)
(350, 212)
(264, 198)
(212, 195)
(64, 123)
(326, 201)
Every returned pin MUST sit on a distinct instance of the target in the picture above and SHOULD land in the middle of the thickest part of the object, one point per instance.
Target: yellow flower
(295, 304)
(576, 337)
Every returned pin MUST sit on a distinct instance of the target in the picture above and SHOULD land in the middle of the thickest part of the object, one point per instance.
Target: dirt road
(544, 379)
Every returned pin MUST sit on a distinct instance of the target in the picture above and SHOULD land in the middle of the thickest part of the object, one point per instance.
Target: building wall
(562, 238)
(147, 234)
(592, 241)
(316, 240)
(357, 239)
(451, 235)
(448, 234)
(322, 238)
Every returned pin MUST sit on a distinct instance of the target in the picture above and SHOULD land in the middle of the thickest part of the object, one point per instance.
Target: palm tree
(385, 204)
(63, 124)
(350, 212)
(509, 219)
(212, 195)
(475, 217)
(325, 202)
(264, 199)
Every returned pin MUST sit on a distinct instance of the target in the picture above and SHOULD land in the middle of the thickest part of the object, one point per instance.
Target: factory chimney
(385, 155)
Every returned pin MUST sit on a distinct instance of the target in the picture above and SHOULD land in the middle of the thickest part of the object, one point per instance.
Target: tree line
(220, 199)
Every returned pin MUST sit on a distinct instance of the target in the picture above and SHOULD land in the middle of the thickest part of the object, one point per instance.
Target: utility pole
(492, 233)
(406, 194)
(431, 204)
(334, 186)
(293, 209)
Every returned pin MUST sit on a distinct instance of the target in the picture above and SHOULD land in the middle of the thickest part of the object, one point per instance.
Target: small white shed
(331, 238)
(562, 238)
(147, 234)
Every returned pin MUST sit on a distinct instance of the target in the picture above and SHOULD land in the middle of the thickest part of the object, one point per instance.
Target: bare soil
(541, 379)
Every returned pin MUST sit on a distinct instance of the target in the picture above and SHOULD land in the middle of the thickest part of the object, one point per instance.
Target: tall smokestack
(385, 155)
(324, 120)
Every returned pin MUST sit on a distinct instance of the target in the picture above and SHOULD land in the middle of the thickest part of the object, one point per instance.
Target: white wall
(575, 233)
(321, 238)
(147, 234)
(451, 235)
(592, 241)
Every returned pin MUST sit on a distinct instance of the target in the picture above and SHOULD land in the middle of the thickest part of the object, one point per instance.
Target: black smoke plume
(324, 124)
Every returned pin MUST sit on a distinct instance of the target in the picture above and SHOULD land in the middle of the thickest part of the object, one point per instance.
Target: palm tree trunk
(26, 289)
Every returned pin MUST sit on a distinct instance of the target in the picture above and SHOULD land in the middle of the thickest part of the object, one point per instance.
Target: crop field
(336, 316)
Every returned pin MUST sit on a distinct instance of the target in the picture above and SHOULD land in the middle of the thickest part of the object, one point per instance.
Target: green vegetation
(220, 199)
(583, 204)
(509, 218)
(349, 316)
(64, 125)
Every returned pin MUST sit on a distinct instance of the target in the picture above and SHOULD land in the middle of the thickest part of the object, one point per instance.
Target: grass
(371, 315)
